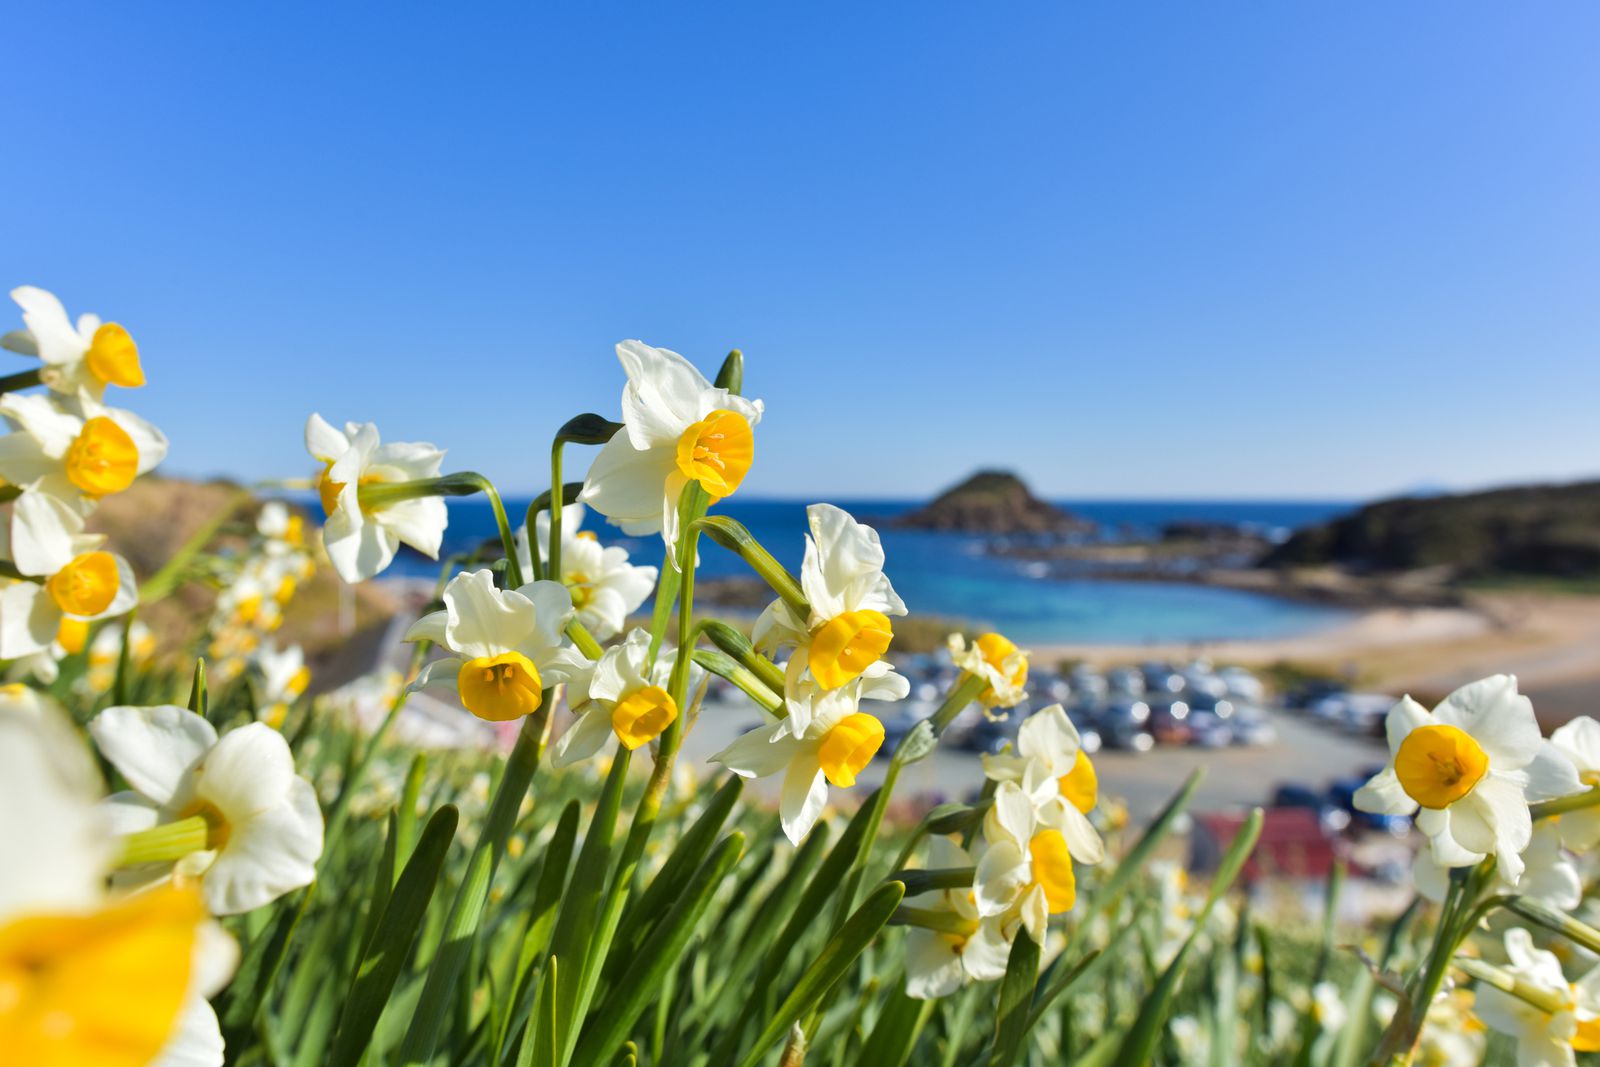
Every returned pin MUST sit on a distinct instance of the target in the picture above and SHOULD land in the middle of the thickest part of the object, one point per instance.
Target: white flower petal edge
(246, 779)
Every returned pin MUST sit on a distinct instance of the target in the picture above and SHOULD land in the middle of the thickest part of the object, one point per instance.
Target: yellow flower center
(285, 591)
(87, 585)
(113, 358)
(295, 532)
(102, 459)
(996, 650)
(297, 683)
(848, 644)
(328, 489)
(1587, 1036)
(499, 688)
(218, 829)
(102, 989)
(1080, 786)
(848, 747)
(578, 586)
(717, 452)
(1052, 870)
(72, 634)
(643, 714)
(248, 609)
(1439, 764)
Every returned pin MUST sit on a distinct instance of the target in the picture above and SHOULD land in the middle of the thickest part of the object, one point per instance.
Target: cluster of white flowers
(1468, 773)
(107, 953)
(1036, 829)
(258, 586)
(65, 452)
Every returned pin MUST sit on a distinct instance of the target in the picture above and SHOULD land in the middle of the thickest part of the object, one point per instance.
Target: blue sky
(1236, 250)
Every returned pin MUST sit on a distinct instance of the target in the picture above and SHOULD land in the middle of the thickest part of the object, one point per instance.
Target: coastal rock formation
(1549, 530)
(994, 502)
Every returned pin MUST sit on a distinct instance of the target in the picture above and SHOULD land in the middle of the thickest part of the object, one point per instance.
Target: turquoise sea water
(947, 574)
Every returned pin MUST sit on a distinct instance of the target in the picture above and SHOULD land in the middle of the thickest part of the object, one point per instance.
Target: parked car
(1168, 722)
(1251, 726)
(990, 735)
(1125, 681)
(1332, 817)
(1122, 725)
(1243, 687)
(1209, 730)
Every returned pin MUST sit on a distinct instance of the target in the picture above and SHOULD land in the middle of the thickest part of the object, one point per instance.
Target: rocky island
(997, 503)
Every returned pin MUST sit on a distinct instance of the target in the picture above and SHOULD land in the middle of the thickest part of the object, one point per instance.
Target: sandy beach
(1550, 641)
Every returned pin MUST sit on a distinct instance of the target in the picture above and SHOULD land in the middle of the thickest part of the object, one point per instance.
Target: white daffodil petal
(586, 736)
(153, 748)
(805, 794)
(29, 619)
(419, 523)
(1499, 718)
(1404, 717)
(268, 854)
(933, 966)
(1384, 795)
(758, 754)
(1551, 774)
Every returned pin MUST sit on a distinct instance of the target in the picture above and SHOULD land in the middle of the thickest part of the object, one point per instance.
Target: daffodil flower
(851, 600)
(967, 946)
(1470, 766)
(1048, 738)
(605, 587)
(507, 644)
(76, 450)
(362, 540)
(677, 428)
(625, 696)
(1548, 874)
(78, 360)
(81, 581)
(835, 745)
(282, 531)
(1579, 741)
(1566, 1020)
(998, 662)
(263, 826)
(1026, 868)
(85, 979)
(284, 677)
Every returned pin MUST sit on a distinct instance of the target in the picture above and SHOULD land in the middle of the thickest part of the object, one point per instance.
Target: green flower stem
(965, 692)
(691, 505)
(933, 919)
(555, 512)
(725, 666)
(466, 913)
(916, 744)
(1574, 930)
(20, 380)
(569, 495)
(1546, 809)
(464, 483)
(920, 880)
(583, 639)
(167, 842)
(1546, 1001)
(738, 646)
(731, 535)
(9, 570)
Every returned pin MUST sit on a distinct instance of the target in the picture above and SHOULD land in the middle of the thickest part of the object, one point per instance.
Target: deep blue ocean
(947, 575)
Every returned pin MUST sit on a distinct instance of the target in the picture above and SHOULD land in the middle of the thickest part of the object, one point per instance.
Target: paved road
(1304, 752)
